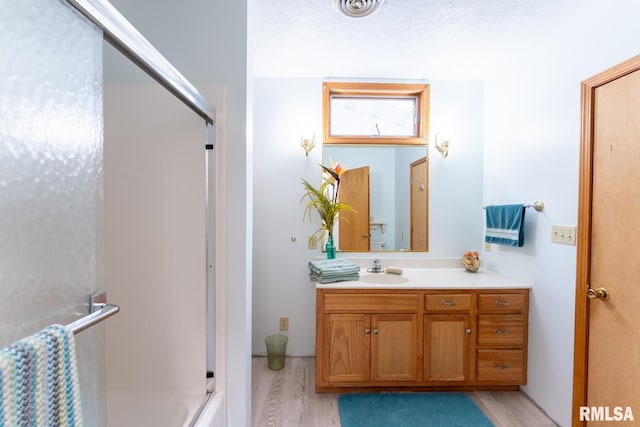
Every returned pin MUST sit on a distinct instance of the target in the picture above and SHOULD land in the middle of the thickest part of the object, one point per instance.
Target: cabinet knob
(367, 331)
(375, 331)
(467, 331)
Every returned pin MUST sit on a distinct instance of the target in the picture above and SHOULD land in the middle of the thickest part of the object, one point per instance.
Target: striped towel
(39, 381)
(333, 270)
(505, 225)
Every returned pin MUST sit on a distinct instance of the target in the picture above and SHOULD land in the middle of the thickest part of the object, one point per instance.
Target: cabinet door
(347, 346)
(394, 347)
(446, 347)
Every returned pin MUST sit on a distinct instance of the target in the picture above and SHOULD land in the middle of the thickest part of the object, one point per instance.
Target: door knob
(599, 293)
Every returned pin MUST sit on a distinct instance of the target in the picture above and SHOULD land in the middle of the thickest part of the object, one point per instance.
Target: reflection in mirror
(389, 221)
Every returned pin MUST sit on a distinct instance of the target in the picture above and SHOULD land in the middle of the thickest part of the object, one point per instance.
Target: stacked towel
(333, 270)
(39, 381)
(505, 225)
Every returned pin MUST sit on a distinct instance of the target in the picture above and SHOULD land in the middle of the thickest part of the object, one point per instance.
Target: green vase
(330, 248)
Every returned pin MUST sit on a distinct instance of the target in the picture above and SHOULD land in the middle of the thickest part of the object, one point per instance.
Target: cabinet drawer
(500, 366)
(371, 303)
(447, 302)
(500, 330)
(501, 302)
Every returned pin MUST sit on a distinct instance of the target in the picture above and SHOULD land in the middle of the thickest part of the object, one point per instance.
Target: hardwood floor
(286, 398)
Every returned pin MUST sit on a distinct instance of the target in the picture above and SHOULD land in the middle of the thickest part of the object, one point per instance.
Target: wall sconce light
(442, 147)
(308, 144)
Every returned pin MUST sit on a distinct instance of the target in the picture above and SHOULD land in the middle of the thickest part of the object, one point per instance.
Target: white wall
(531, 57)
(234, 208)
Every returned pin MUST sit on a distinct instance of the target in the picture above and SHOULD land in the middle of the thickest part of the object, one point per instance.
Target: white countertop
(429, 278)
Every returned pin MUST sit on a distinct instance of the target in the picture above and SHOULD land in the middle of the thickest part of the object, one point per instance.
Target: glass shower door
(51, 179)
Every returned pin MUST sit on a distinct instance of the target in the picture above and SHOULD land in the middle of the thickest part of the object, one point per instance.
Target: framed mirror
(378, 131)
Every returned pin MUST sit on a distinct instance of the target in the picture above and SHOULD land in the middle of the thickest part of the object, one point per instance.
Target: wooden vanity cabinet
(502, 337)
(365, 339)
(447, 337)
(417, 339)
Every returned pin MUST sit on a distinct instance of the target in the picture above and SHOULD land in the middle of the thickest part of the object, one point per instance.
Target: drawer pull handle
(375, 331)
(367, 331)
(503, 366)
(503, 303)
(449, 303)
(502, 331)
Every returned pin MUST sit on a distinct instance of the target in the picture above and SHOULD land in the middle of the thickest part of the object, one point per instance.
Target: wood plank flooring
(286, 398)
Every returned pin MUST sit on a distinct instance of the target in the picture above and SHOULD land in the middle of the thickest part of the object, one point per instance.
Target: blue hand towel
(39, 381)
(505, 225)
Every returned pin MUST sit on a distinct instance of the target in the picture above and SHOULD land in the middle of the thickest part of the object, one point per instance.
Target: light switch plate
(563, 234)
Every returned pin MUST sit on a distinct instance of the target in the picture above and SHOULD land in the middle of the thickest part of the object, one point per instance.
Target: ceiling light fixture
(357, 8)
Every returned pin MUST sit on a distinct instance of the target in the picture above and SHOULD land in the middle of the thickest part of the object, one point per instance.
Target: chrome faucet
(377, 267)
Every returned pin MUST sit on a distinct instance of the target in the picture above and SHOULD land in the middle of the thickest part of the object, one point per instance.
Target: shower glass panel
(51, 179)
(155, 251)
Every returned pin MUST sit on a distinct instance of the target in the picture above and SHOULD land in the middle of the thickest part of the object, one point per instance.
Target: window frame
(377, 90)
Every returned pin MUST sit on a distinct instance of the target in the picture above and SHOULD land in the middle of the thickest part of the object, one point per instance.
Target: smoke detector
(357, 8)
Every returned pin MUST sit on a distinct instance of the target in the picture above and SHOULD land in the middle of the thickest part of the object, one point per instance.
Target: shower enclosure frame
(123, 36)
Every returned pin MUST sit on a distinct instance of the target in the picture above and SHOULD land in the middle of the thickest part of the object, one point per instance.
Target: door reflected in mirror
(388, 187)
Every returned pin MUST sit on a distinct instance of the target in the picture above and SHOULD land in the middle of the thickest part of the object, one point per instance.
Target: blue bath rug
(410, 410)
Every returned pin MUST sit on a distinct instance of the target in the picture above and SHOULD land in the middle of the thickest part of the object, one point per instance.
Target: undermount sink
(383, 278)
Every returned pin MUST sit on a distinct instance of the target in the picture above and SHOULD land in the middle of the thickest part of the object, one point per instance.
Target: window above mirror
(375, 113)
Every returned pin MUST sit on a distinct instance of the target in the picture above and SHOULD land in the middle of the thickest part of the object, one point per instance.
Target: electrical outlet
(487, 247)
(284, 323)
(563, 234)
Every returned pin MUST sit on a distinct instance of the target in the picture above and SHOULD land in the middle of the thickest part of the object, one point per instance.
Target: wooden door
(606, 374)
(353, 229)
(394, 350)
(446, 347)
(346, 351)
(419, 205)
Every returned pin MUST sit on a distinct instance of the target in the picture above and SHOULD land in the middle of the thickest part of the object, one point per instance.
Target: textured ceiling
(405, 38)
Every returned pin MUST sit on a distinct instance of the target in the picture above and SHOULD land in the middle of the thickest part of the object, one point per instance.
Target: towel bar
(537, 205)
(99, 310)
